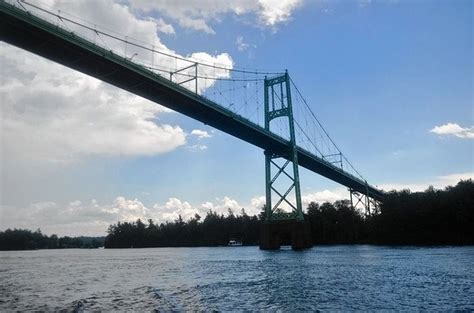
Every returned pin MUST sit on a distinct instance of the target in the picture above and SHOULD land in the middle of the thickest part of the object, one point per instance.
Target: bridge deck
(38, 36)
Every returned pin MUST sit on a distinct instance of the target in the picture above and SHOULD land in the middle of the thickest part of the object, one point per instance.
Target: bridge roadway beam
(40, 37)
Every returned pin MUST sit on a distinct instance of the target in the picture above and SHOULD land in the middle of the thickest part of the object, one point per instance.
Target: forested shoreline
(24, 239)
(432, 217)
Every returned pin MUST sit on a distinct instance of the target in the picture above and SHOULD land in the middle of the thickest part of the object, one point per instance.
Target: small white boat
(234, 243)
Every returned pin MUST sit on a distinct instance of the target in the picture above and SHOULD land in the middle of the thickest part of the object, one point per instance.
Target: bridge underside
(28, 32)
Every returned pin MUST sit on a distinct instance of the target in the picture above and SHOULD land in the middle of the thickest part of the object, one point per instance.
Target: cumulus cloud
(52, 113)
(323, 196)
(74, 218)
(257, 203)
(274, 12)
(93, 218)
(223, 60)
(59, 115)
(129, 210)
(200, 134)
(174, 208)
(197, 14)
(453, 129)
(229, 203)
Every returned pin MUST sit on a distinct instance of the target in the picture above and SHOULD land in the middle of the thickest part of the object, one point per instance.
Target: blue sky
(380, 75)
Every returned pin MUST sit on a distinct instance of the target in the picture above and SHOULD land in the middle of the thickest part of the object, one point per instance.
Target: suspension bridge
(263, 108)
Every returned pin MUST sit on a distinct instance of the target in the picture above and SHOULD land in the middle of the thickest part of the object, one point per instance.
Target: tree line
(24, 239)
(432, 217)
(214, 230)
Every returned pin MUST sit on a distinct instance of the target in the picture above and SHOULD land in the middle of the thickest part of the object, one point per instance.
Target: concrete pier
(273, 234)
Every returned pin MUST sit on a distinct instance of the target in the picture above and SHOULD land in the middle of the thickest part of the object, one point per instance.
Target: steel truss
(370, 205)
(278, 104)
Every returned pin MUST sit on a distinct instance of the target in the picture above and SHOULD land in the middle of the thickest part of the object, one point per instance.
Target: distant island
(431, 217)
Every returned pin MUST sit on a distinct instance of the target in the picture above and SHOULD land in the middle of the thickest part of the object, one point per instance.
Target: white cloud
(228, 203)
(200, 134)
(164, 27)
(453, 129)
(78, 218)
(324, 196)
(207, 206)
(223, 60)
(129, 210)
(198, 14)
(277, 11)
(222, 205)
(257, 203)
(438, 182)
(54, 114)
(241, 45)
(74, 218)
(174, 208)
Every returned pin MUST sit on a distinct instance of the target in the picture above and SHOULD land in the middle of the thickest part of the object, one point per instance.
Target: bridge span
(39, 36)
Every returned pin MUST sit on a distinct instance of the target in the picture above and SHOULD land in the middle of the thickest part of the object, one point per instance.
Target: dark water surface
(231, 278)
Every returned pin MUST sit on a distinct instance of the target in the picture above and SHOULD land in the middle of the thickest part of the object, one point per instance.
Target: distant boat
(234, 243)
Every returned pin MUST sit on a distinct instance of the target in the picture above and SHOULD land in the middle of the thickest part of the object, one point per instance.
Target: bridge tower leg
(279, 226)
(370, 205)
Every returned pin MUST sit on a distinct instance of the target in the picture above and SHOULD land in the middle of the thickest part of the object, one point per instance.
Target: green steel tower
(279, 223)
(278, 104)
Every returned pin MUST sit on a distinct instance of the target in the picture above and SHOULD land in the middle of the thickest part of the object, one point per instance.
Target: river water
(239, 278)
